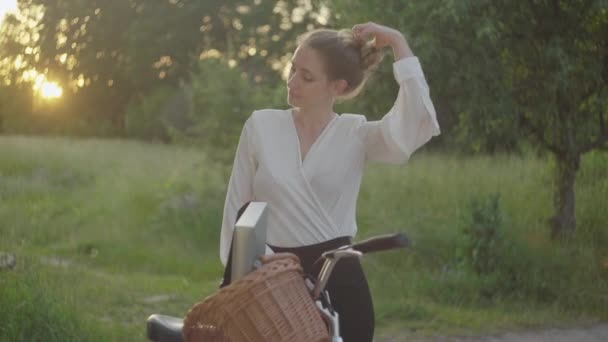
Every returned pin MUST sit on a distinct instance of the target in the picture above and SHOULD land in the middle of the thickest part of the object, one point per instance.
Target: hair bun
(371, 56)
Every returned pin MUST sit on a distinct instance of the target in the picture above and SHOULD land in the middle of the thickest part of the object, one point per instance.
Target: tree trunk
(564, 221)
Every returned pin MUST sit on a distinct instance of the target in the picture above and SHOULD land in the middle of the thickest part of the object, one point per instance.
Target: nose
(291, 82)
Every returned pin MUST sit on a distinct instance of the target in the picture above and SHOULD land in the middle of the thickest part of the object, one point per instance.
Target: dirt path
(594, 333)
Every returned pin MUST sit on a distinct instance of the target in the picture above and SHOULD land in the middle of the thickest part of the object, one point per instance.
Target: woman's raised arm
(412, 120)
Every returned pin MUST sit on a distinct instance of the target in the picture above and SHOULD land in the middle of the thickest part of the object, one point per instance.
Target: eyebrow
(304, 69)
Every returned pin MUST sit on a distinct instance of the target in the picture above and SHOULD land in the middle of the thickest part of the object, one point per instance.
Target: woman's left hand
(384, 36)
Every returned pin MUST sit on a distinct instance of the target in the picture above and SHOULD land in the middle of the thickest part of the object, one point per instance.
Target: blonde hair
(346, 57)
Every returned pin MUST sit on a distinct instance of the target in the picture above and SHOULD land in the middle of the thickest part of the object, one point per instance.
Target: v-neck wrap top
(314, 199)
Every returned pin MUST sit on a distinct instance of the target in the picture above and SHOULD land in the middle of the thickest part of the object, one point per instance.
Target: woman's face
(308, 85)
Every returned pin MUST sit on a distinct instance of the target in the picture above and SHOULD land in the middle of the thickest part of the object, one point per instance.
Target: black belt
(309, 254)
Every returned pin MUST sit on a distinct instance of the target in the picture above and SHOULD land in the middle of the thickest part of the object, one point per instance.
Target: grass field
(106, 232)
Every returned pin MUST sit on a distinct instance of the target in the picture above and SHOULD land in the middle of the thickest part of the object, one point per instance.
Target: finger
(357, 29)
(370, 30)
(360, 28)
(361, 33)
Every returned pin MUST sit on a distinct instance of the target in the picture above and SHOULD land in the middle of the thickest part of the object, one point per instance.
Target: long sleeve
(240, 187)
(409, 124)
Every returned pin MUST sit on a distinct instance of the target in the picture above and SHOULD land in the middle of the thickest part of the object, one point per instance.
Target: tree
(535, 69)
(557, 73)
(78, 44)
(107, 53)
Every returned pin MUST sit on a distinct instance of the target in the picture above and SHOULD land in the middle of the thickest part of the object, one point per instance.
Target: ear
(339, 87)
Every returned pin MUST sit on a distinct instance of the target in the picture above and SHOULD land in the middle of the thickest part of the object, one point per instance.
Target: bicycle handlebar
(381, 243)
(374, 244)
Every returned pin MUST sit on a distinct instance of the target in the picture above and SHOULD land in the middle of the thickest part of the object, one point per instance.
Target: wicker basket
(270, 304)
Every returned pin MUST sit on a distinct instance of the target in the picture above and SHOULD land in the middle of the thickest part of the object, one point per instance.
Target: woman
(306, 162)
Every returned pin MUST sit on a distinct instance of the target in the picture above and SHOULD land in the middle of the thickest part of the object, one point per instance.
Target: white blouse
(314, 200)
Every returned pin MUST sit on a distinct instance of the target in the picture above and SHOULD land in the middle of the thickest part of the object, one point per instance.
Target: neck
(313, 118)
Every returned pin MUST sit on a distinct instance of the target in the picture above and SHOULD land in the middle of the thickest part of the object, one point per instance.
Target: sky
(6, 6)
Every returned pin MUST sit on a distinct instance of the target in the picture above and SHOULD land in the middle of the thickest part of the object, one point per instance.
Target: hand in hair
(384, 36)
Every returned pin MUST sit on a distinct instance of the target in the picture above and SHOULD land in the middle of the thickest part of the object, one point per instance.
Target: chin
(292, 102)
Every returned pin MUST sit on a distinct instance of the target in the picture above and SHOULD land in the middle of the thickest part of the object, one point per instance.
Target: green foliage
(453, 45)
(528, 276)
(592, 182)
(30, 310)
(498, 69)
(501, 265)
(483, 231)
(144, 117)
(222, 99)
(23, 112)
(15, 109)
(106, 47)
(501, 71)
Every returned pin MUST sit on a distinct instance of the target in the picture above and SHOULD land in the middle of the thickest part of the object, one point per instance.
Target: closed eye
(305, 72)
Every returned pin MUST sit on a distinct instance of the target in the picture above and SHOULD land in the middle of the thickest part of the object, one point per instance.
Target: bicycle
(162, 328)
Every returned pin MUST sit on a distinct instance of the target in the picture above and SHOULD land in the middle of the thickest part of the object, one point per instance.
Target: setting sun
(50, 90)
(45, 88)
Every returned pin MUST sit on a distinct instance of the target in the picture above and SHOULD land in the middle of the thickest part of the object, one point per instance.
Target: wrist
(397, 37)
(401, 48)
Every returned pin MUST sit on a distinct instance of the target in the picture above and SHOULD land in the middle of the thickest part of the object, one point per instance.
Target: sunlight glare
(47, 89)
(7, 6)
(50, 90)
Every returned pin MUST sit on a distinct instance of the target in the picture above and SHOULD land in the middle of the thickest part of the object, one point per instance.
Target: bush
(504, 266)
(591, 190)
(145, 115)
(497, 264)
(483, 231)
(222, 99)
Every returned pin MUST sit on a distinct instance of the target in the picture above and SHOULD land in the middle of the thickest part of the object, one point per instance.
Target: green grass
(101, 228)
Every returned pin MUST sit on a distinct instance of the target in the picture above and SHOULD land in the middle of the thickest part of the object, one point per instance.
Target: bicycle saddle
(163, 328)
